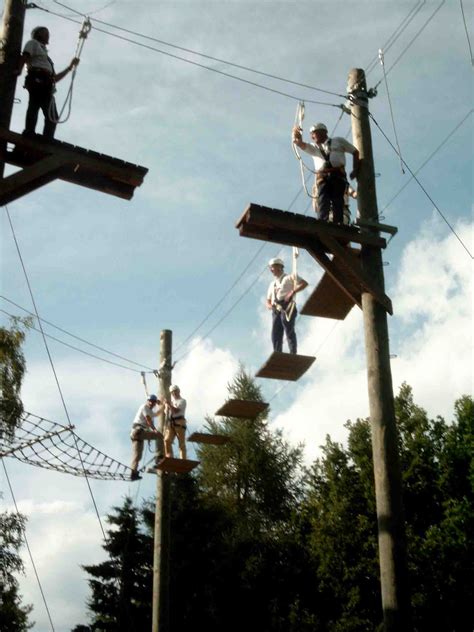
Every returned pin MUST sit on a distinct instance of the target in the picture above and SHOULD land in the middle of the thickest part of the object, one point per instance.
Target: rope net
(53, 446)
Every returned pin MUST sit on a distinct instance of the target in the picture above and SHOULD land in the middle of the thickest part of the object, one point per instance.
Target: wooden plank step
(285, 366)
(328, 300)
(179, 466)
(211, 439)
(241, 408)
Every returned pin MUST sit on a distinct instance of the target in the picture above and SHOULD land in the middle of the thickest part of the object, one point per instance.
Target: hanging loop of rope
(299, 117)
(53, 115)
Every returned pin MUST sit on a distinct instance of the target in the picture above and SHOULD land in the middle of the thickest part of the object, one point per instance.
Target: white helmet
(174, 387)
(318, 126)
(276, 262)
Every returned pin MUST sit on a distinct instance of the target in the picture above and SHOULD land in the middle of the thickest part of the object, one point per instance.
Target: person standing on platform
(329, 164)
(41, 82)
(143, 428)
(281, 300)
(176, 422)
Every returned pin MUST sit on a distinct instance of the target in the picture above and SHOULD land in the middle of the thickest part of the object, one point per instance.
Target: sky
(118, 272)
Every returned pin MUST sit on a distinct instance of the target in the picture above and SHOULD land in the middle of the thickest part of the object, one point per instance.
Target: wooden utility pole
(161, 559)
(387, 474)
(10, 51)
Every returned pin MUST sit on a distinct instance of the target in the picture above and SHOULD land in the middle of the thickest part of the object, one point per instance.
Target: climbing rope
(53, 115)
(299, 118)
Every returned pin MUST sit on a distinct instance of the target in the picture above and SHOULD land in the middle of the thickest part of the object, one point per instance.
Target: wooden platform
(285, 366)
(329, 245)
(241, 408)
(43, 161)
(293, 229)
(209, 439)
(179, 466)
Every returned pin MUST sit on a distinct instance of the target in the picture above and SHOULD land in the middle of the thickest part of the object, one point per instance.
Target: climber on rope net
(41, 80)
(144, 429)
(331, 188)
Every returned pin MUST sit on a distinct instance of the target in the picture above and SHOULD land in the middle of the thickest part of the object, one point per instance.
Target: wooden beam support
(354, 268)
(86, 168)
(273, 219)
(31, 178)
(334, 270)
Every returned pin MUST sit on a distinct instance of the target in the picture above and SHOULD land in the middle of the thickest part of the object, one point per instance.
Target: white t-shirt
(180, 404)
(280, 287)
(143, 412)
(38, 56)
(336, 150)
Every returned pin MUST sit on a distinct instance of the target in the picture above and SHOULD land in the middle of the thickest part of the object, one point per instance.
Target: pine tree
(122, 585)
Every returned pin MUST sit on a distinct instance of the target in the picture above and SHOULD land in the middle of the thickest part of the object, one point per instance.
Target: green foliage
(258, 544)
(13, 615)
(121, 586)
(254, 477)
(12, 370)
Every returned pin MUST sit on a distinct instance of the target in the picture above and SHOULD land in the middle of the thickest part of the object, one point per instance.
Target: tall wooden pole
(161, 560)
(388, 487)
(10, 51)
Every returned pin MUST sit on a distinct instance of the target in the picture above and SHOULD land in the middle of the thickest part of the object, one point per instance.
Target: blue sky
(116, 273)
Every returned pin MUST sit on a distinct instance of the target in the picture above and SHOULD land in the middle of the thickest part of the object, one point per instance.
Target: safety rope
(294, 271)
(299, 118)
(53, 115)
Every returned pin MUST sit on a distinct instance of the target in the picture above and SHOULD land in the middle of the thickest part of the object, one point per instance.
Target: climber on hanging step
(281, 300)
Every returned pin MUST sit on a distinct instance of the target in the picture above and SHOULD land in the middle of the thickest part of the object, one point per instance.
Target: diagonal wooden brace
(355, 269)
(31, 178)
(316, 250)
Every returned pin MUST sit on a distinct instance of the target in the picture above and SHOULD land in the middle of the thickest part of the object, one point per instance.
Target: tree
(122, 585)
(12, 370)
(338, 522)
(13, 615)
(254, 481)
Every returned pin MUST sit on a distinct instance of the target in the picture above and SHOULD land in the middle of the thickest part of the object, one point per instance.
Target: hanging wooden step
(179, 466)
(328, 300)
(45, 160)
(209, 439)
(242, 408)
(285, 366)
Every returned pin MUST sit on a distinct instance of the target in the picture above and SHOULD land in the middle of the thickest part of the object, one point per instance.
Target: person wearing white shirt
(281, 300)
(143, 429)
(40, 82)
(329, 164)
(176, 422)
